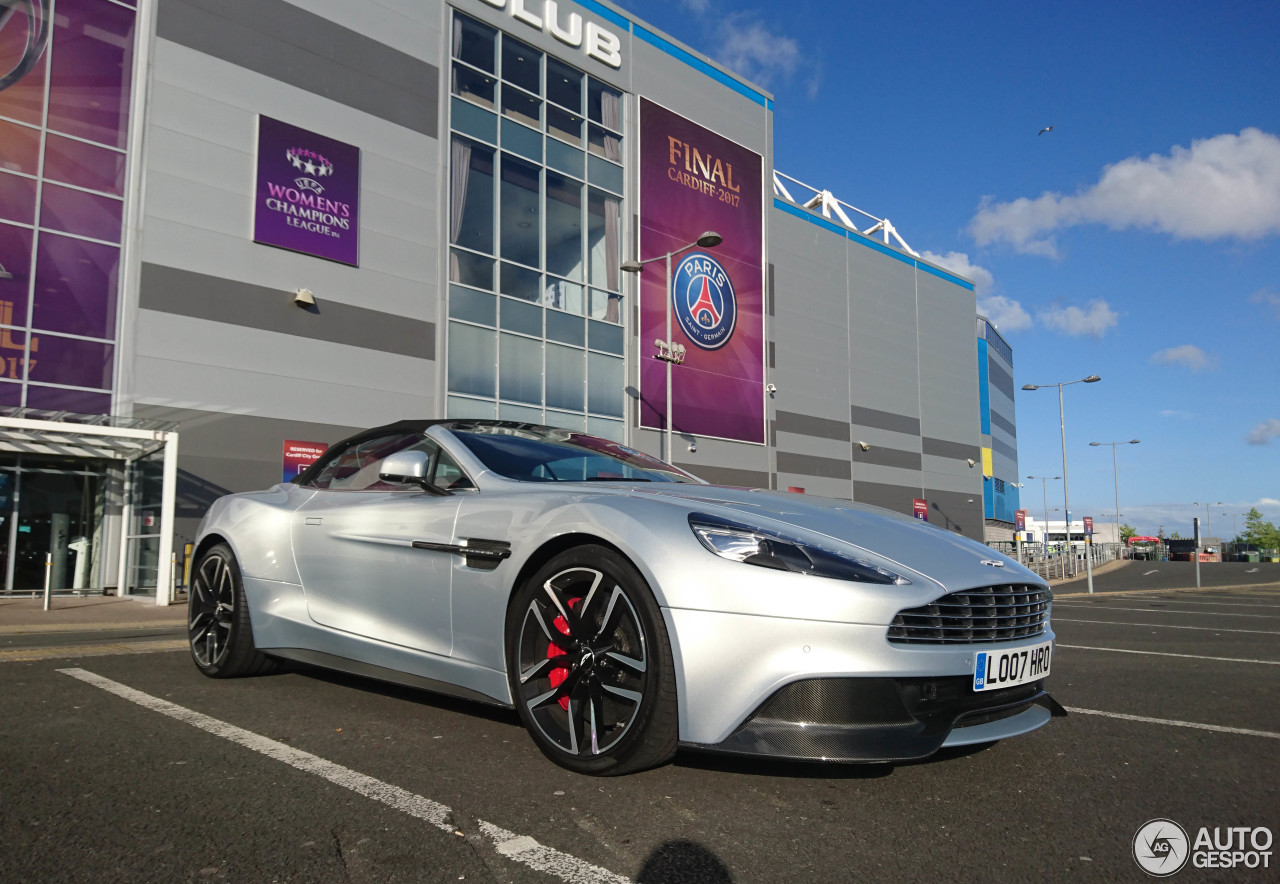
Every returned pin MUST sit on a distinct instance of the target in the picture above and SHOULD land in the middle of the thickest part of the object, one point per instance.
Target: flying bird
(1044, 130)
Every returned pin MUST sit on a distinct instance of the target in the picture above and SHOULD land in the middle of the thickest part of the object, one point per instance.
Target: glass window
(520, 375)
(564, 226)
(91, 68)
(15, 254)
(604, 104)
(519, 316)
(473, 42)
(471, 269)
(521, 283)
(604, 143)
(564, 295)
(75, 211)
(521, 64)
(84, 165)
(473, 85)
(473, 359)
(606, 306)
(474, 120)
(472, 306)
(520, 413)
(570, 421)
(605, 337)
(76, 286)
(71, 361)
(521, 211)
(565, 328)
(77, 401)
(603, 217)
(605, 428)
(566, 377)
(17, 198)
(604, 174)
(564, 125)
(21, 148)
(461, 406)
(522, 107)
(522, 140)
(548, 456)
(471, 200)
(565, 158)
(604, 384)
(564, 85)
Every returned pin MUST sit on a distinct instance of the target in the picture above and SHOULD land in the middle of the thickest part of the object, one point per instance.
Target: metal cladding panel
(957, 511)
(949, 408)
(679, 88)
(883, 363)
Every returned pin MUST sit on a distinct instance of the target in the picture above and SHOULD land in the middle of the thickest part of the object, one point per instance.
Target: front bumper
(884, 719)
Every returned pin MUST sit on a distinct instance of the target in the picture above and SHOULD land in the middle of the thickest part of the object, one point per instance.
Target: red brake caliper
(559, 673)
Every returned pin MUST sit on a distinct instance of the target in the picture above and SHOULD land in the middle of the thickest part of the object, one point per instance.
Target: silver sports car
(622, 606)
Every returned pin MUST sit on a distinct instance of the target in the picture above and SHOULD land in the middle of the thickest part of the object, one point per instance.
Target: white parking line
(1182, 601)
(1166, 654)
(1169, 611)
(1175, 723)
(1166, 626)
(520, 848)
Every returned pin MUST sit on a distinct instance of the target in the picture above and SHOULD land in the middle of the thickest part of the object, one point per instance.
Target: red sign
(300, 455)
(920, 509)
(1088, 525)
(1019, 520)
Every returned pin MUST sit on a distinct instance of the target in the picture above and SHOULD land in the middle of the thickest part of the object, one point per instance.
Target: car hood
(911, 544)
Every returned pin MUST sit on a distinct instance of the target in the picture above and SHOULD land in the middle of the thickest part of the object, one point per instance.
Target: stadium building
(235, 231)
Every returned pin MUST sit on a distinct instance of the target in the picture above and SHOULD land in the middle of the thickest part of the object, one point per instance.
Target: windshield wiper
(615, 479)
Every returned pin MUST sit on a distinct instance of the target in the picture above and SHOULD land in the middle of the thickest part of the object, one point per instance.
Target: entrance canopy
(102, 437)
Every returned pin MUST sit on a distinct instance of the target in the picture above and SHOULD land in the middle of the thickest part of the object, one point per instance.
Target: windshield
(531, 453)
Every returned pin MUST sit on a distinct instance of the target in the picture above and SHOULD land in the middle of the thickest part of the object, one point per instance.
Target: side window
(357, 467)
(448, 475)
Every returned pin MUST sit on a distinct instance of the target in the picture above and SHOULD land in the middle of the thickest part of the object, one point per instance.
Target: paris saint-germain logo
(703, 301)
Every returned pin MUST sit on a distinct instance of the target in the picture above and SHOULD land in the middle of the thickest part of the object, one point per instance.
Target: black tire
(589, 663)
(218, 626)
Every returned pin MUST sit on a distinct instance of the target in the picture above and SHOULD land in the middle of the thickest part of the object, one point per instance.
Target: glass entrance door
(58, 519)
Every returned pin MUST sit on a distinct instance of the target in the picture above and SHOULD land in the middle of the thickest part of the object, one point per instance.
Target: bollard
(173, 577)
(48, 579)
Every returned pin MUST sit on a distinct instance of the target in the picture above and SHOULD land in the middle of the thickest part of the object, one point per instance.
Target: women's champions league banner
(692, 181)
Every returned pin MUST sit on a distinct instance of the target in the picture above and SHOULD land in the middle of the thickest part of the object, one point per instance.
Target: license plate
(1005, 669)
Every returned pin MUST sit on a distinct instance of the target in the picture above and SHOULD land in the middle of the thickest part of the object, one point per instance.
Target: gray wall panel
(810, 465)
(727, 475)
(884, 420)
(886, 494)
(790, 422)
(195, 295)
(887, 457)
(292, 45)
(955, 511)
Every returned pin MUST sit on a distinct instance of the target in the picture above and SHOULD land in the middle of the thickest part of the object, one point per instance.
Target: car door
(353, 542)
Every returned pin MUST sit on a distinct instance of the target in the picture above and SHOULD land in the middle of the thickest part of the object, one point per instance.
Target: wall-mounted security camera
(693, 446)
(770, 389)
(304, 298)
(971, 462)
(863, 445)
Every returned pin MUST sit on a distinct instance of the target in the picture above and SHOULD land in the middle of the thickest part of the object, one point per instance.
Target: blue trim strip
(699, 65)
(606, 13)
(984, 393)
(854, 236)
(942, 274)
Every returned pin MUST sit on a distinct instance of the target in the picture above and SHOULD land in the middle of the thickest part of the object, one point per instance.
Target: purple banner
(308, 193)
(693, 181)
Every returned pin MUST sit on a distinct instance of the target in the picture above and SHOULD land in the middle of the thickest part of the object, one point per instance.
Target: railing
(1059, 561)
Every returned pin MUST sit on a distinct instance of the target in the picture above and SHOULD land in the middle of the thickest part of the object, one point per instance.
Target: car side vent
(988, 614)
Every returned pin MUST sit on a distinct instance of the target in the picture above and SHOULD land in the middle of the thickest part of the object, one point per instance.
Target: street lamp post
(1115, 472)
(1062, 422)
(1208, 521)
(668, 350)
(1044, 493)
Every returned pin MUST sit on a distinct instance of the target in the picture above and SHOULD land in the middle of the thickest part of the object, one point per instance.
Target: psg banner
(693, 181)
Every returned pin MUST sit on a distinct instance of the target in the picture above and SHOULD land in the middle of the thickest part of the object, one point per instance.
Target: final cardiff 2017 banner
(692, 181)
(308, 193)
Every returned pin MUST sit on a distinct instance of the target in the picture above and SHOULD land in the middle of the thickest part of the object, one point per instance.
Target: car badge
(993, 563)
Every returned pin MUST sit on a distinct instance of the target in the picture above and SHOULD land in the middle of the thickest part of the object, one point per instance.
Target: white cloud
(1225, 187)
(698, 6)
(1173, 412)
(1269, 298)
(1188, 356)
(1264, 432)
(1268, 501)
(1005, 313)
(1093, 319)
(755, 50)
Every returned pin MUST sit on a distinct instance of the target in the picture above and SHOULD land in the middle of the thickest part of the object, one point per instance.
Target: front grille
(987, 614)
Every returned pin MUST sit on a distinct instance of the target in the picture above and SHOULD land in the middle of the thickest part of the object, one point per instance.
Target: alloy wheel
(212, 610)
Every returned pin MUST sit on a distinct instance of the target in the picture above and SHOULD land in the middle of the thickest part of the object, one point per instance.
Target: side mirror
(409, 467)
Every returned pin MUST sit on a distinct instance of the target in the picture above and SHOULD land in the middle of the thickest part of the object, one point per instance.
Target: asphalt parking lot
(127, 765)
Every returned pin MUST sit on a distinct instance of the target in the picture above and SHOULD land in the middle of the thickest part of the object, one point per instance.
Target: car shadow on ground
(762, 766)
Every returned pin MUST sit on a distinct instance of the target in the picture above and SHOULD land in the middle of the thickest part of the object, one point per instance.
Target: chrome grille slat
(1004, 612)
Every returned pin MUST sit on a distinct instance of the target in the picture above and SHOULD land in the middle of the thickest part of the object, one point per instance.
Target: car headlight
(755, 546)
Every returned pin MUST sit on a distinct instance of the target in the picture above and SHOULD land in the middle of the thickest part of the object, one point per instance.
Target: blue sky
(1139, 240)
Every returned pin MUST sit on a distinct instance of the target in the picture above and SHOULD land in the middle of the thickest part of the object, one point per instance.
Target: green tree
(1261, 534)
(1175, 536)
(1127, 531)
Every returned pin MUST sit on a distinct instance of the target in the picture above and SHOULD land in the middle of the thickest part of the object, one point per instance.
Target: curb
(1087, 595)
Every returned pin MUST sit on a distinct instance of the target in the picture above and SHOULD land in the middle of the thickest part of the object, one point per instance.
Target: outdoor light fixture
(1115, 472)
(863, 445)
(1062, 422)
(5, 274)
(666, 349)
(304, 298)
(971, 462)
